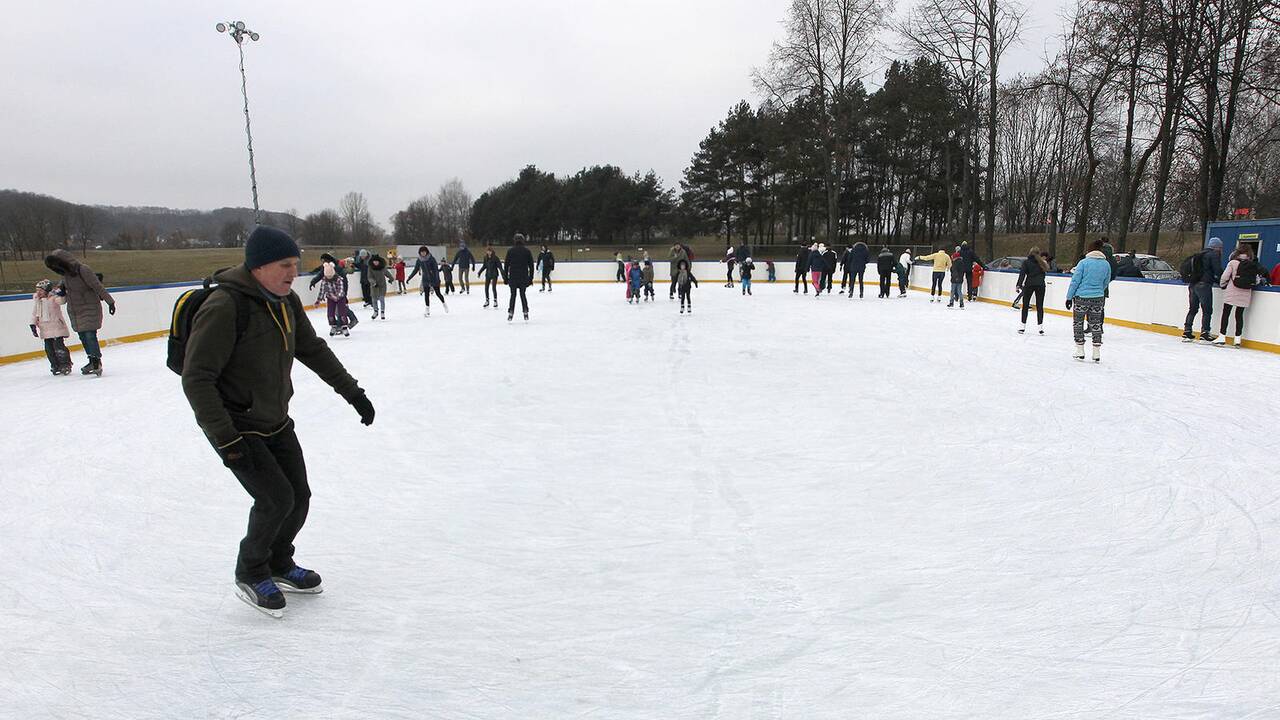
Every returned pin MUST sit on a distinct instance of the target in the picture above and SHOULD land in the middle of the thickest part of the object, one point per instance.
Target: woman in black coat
(1031, 285)
(490, 270)
(519, 271)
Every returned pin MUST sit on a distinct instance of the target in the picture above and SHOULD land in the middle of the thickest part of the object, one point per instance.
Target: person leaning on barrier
(237, 376)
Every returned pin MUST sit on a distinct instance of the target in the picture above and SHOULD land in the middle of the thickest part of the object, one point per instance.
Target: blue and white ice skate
(262, 596)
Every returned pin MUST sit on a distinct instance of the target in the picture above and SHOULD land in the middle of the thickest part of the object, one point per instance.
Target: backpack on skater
(184, 314)
(1192, 268)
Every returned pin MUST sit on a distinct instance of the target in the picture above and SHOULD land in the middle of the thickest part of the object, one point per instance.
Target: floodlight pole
(238, 33)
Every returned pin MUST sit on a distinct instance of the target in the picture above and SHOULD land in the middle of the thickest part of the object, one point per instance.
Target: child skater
(635, 282)
(685, 282)
(647, 277)
(399, 266)
(48, 324)
(333, 290)
(744, 275)
(447, 271)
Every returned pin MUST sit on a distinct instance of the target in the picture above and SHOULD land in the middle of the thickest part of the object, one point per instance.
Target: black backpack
(184, 313)
(1246, 275)
(1192, 269)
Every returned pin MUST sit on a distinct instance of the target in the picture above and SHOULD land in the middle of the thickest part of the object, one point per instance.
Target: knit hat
(44, 285)
(1215, 243)
(267, 245)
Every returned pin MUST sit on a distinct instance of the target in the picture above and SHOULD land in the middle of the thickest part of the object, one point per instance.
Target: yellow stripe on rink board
(1162, 329)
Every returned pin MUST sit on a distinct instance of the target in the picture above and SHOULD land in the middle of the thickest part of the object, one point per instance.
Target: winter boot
(299, 580)
(1097, 353)
(263, 596)
(1079, 354)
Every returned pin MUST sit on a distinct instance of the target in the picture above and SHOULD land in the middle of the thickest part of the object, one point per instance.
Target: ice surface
(779, 507)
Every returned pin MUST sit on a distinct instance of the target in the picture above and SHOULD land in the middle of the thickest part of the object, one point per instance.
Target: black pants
(491, 282)
(464, 280)
(825, 281)
(729, 273)
(672, 293)
(902, 283)
(886, 284)
(621, 272)
(686, 297)
(524, 302)
(802, 279)
(1226, 315)
(59, 357)
(844, 279)
(278, 485)
(448, 283)
(970, 290)
(1038, 294)
(936, 287)
(546, 279)
(857, 276)
(426, 293)
(366, 295)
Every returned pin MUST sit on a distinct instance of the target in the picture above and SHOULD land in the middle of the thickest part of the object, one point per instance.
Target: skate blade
(277, 614)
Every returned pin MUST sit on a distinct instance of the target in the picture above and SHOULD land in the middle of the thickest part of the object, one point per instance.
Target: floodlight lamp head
(240, 25)
(255, 36)
(222, 27)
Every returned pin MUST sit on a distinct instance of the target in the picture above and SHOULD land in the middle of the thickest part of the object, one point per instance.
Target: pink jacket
(1232, 295)
(46, 315)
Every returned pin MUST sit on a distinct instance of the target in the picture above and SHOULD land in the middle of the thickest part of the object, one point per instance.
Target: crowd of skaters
(81, 292)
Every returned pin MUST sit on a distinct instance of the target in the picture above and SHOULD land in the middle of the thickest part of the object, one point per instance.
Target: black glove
(111, 308)
(361, 403)
(34, 334)
(236, 456)
(1068, 303)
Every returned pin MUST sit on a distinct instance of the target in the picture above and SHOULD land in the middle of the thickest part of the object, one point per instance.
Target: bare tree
(354, 211)
(823, 56)
(453, 210)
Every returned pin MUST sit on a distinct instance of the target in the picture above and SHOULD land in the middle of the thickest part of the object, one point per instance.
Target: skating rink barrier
(143, 312)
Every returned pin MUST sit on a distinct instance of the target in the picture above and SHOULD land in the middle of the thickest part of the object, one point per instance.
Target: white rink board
(778, 507)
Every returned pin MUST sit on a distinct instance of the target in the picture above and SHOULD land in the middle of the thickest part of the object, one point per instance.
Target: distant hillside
(30, 221)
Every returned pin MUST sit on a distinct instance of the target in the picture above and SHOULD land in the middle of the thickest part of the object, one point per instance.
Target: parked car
(1154, 268)
(1009, 262)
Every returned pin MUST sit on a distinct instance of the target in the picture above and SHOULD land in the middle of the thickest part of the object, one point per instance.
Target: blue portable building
(1263, 235)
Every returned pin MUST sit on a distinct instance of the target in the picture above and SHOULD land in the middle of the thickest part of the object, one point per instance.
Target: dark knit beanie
(267, 245)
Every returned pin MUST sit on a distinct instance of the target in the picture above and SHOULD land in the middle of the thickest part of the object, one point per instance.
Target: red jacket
(400, 271)
(977, 275)
(1275, 275)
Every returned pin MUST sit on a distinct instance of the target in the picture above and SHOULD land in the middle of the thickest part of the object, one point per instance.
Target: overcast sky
(138, 103)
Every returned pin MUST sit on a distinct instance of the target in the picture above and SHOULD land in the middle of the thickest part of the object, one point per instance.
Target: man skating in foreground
(237, 376)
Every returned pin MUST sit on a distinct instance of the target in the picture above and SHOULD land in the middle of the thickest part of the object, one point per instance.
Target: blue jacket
(1091, 277)
(464, 258)
(430, 270)
(859, 256)
(1211, 266)
(817, 263)
(637, 276)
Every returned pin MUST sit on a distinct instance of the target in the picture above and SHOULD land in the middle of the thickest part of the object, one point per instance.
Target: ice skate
(1208, 339)
(384, 316)
(1220, 340)
(333, 330)
(1079, 353)
(262, 596)
(299, 580)
(510, 316)
(526, 317)
(1041, 329)
(1022, 330)
(486, 303)
(445, 305)
(1097, 353)
(346, 331)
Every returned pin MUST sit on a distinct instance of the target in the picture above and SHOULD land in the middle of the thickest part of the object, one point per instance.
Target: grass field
(141, 267)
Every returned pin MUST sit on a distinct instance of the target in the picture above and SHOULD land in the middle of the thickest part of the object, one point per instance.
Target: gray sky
(138, 102)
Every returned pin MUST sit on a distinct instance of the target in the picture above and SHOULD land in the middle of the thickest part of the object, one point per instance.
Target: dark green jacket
(245, 387)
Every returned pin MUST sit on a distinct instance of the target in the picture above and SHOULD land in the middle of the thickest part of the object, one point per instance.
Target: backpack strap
(242, 310)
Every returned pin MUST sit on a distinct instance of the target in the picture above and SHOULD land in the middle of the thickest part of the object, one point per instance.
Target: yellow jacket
(941, 260)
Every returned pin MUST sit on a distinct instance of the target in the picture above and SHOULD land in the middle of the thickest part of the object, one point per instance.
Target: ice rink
(779, 507)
